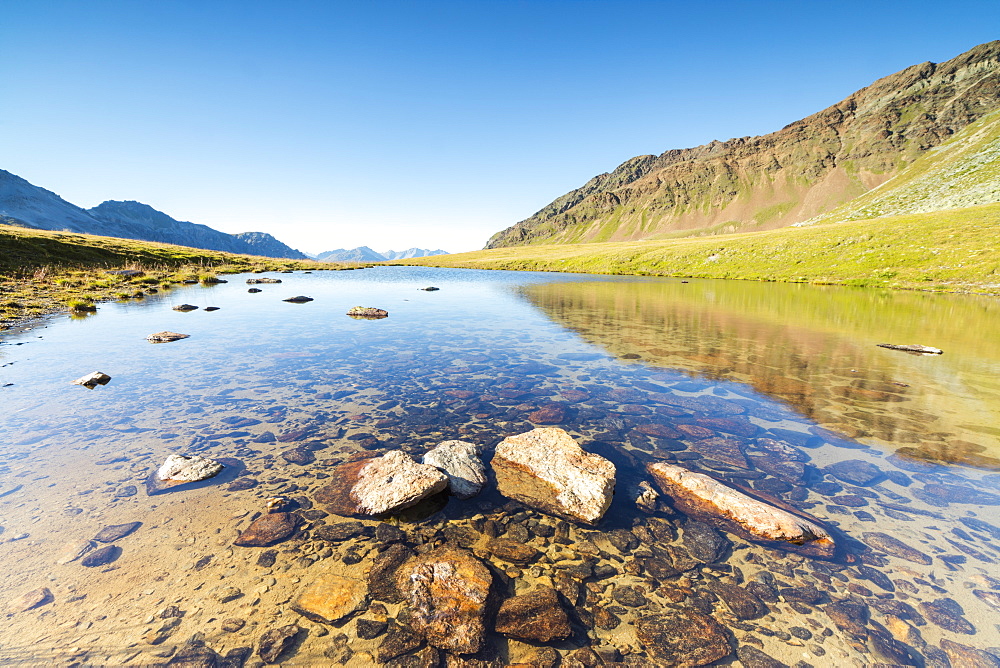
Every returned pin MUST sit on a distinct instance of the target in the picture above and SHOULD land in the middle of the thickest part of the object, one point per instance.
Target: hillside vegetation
(953, 251)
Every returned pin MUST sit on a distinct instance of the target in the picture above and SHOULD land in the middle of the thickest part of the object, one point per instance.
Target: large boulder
(459, 460)
(380, 485)
(447, 591)
(546, 469)
(706, 499)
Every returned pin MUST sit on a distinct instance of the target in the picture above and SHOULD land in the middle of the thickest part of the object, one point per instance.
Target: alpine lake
(776, 389)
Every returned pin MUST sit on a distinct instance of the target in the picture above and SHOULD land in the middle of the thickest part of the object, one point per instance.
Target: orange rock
(331, 598)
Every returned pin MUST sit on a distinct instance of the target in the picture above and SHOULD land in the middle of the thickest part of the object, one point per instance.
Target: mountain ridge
(807, 168)
(366, 254)
(27, 205)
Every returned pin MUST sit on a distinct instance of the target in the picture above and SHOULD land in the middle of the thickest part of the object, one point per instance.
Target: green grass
(955, 251)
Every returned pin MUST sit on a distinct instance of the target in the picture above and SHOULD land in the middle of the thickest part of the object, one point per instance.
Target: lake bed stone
(546, 469)
(534, 616)
(112, 533)
(274, 643)
(35, 598)
(331, 598)
(268, 529)
(683, 638)
(380, 485)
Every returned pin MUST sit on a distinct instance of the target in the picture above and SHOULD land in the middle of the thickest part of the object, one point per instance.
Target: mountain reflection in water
(814, 348)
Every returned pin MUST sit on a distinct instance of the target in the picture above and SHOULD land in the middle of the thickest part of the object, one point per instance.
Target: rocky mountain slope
(27, 205)
(804, 170)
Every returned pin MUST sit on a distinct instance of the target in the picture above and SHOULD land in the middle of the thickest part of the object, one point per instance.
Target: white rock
(459, 460)
(380, 485)
(546, 469)
(90, 381)
(178, 468)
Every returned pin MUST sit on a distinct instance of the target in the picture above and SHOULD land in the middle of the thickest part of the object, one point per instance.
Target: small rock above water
(380, 485)
(459, 460)
(112, 533)
(367, 313)
(683, 638)
(708, 500)
(181, 470)
(255, 281)
(911, 348)
(546, 469)
(166, 337)
(447, 591)
(301, 299)
(90, 381)
(185, 307)
(535, 616)
(430, 289)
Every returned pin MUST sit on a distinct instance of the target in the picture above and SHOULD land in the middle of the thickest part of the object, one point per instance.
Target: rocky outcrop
(381, 485)
(447, 590)
(459, 460)
(708, 500)
(771, 181)
(546, 469)
(181, 470)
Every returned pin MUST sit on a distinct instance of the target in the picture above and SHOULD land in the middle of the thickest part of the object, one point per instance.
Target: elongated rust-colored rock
(705, 498)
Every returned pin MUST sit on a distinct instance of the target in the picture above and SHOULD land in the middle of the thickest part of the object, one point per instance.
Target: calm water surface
(638, 370)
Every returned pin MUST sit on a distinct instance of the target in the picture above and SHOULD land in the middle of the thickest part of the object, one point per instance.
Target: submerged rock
(331, 598)
(683, 638)
(267, 530)
(706, 499)
(30, 600)
(546, 469)
(112, 533)
(276, 642)
(73, 550)
(380, 485)
(447, 591)
(856, 472)
(181, 470)
(102, 556)
(536, 616)
(963, 656)
(911, 348)
(459, 460)
(895, 547)
(92, 380)
(166, 337)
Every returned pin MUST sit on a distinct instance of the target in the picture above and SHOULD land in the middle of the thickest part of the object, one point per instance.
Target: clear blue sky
(419, 123)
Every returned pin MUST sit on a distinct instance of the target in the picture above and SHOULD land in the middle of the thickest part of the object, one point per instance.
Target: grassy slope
(952, 250)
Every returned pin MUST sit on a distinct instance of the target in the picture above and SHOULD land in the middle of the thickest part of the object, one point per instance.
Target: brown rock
(276, 642)
(856, 472)
(267, 530)
(948, 614)
(382, 575)
(331, 598)
(101, 556)
(895, 547)
(963, 656)
(31, 600)
(512, 551)
(683, 638)
(447, 591)
(551, 414)
(546, 469)
(744, 604)
(535, 616)
(380, 485)
(694, 431)
(738, 426)
(300, 456)
(658, 431)
(722, 449)
(706, 499)
(112, 533)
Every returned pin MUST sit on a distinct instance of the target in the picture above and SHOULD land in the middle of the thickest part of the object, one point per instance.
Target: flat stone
(706, 499)
(92, 380)
(166, 337)
(948, 614)
(782, 450)
(380, 485)
(267, 530)
(551, 414)
(512, 551)
(963, 656)
(459, 460)
(255, 281)
(683, 638)
(856, 472)
(341, 531)
(181, 470)
(276, 642)
(751, 657)
(35, 598)
(911, 348)
(398, 640)
(739, 426)
(447, 591)
(185, 307)
(112, 533)
(989, 597)
(743, 604)
(367, 313)
(546, 469)
(535, 616)
(895, 547)
(960, 494)
(300, 456)
(721, 449)
(382, 575)
(75, 549)
(331, 598)
(101, 556)
(370, 628)
(789, 470)
(301, 299)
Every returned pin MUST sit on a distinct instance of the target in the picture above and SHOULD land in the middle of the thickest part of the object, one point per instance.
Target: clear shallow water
(473, 361)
